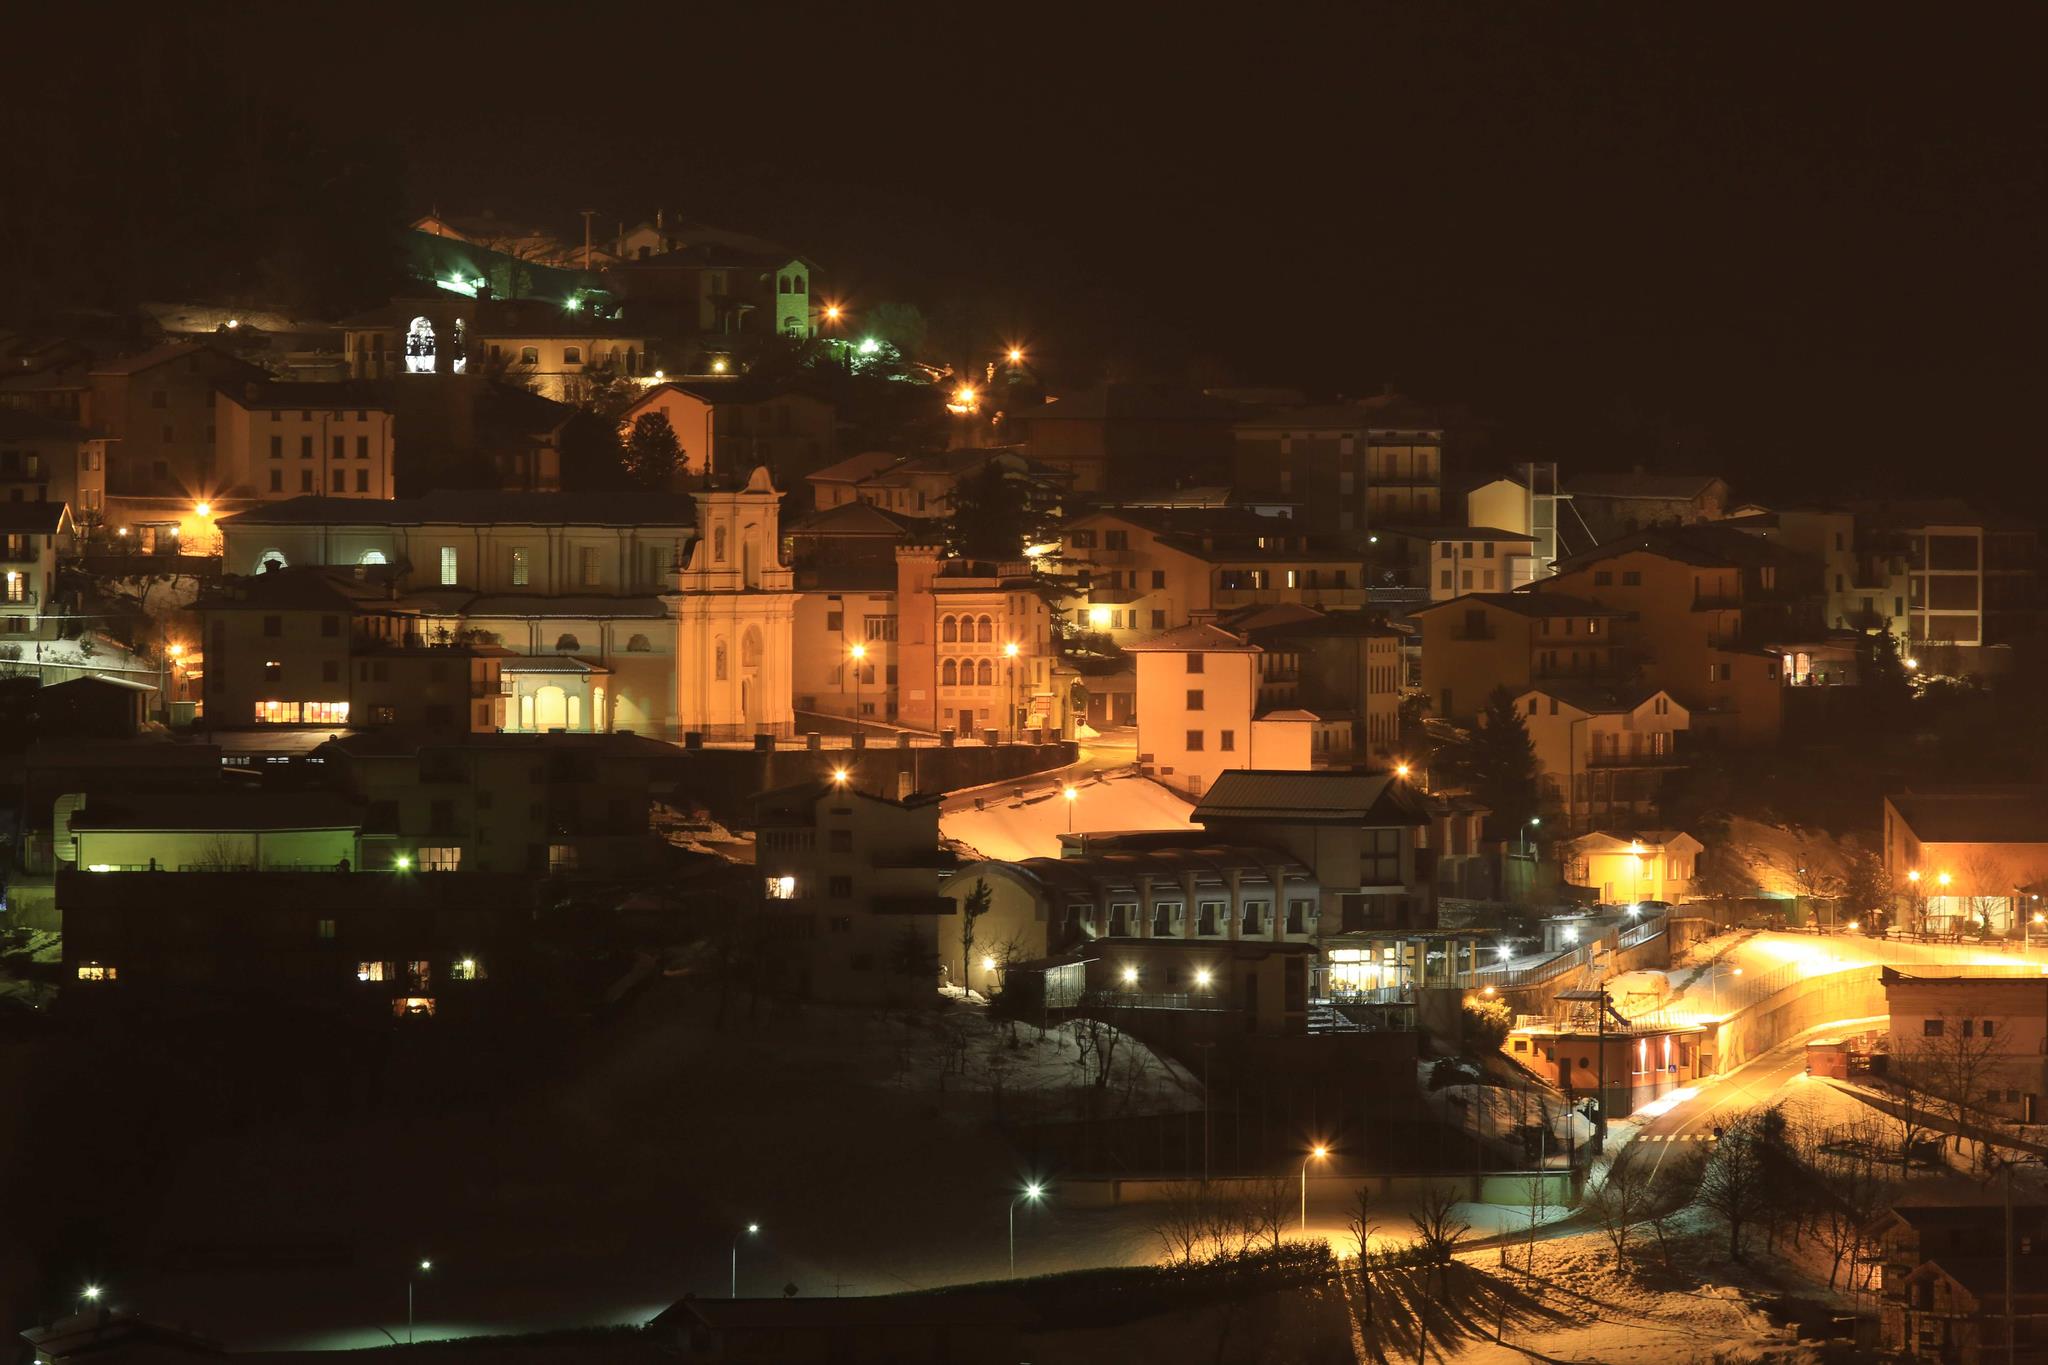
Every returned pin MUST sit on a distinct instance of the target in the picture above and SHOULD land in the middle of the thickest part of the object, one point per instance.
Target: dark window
(1194, 741)
(841, 840)
(277, 447)
(305, 447)
(1194, 699)
(1158, 619)
(840, 888)
(330, 671)
(1159, 578)
(1116, 540)
(1194, 663)
(1227, 741)
(1631, 578)
(1930, 1028)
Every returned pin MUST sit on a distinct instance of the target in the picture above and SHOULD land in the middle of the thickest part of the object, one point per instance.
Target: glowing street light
(1400, 770)
(89, 1294)
(202, 509)
(1072, 794)
(411, 1280)
(859, 654)
(1032, 1192)
(1911, 662)
(1015, 355)
(1130, 976)
(832, 312)
(839, 777)
(402, 863)
(752, 1230)
(1203, 976)
(1317, 1153)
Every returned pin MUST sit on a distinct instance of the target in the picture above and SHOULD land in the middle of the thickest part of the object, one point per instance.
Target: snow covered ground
(1009, 826)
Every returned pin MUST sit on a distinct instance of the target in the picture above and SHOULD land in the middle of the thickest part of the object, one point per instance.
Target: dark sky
(1799, 244)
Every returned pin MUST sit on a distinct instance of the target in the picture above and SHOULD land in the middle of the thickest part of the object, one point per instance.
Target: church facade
(734, 606)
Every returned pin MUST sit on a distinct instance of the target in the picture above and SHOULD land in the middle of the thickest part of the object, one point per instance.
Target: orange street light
(1400, 770)
(1016, 355)
(204, 509)
(1317, 1153)
(1072, 794)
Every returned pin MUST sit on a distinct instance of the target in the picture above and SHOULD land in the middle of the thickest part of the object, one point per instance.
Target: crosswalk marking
(1678, 1137)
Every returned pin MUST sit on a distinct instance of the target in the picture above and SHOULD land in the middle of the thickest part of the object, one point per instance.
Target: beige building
(1988, 1032)
(49, 459)
(1629, 867)
(975, 648)
(547, 577)
(1601, 752)
(278, 441)
(850, 883)
(1475, 643)
(1167, 923)
(734, 608)
(31, 535)
(556, 359)
(1137, 571)
(1970, 859)
(1451, 561)
(1351, 465)
(1209, 701)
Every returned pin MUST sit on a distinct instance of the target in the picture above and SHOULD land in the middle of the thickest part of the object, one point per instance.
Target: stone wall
(723, 781)
(1853, 994)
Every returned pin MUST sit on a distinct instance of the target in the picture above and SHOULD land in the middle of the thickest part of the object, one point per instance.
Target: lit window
(412, 1004)
(781, 888)
(325, 712)
(439, 859)
(419, 974)
(373, 971)
(277, 713)
(466, 969)
(519, 569)
(324, 929)
(96, 971)
(561, 858)
(448, 566)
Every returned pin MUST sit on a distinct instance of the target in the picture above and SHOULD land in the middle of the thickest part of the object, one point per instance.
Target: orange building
(1484, 640)
(1711, 610)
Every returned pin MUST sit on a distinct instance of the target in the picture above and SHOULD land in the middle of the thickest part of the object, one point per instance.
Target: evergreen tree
(652, 452)
(1496, 762)
(992, 516)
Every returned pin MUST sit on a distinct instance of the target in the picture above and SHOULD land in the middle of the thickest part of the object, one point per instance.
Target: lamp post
(1010, 673)
(859, 652)
(1535, 822)
(89, 1294)
(1072, 794)
(2027, 930)
(753, 1229)
(410, 1281)
(1033, 1192)
(1317, 1153)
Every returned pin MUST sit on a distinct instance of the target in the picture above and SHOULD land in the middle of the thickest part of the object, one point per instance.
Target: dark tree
(592, 457)
(1495, 761)
(652, 452)
(992, 515)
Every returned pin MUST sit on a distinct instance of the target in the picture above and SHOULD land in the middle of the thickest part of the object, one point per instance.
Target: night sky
(1796, 246)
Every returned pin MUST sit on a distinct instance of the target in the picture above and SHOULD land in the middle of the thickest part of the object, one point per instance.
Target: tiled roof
(1596, 701)
(1200, 637)
(1991, 815)
(461, 507)
(347, 393)
(856, 518)
(1366, 798)
(1441, 533)
(854, 468)
(1706, 546)
(1530, 604)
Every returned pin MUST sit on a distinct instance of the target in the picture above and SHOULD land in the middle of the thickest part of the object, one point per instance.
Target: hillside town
(627, 795)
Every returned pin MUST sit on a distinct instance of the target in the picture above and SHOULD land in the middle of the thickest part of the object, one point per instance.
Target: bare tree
(225, 853)
(1734, 1183)
(973, 906)
(1956, 1060)
(1361, 1232)
(1438, 1228)
(1852, 1191)
(1180, 1222)
(1672, 1188)
(1269, 1208)
(1096, 1038)
(1620, 1202)
(1991, 884)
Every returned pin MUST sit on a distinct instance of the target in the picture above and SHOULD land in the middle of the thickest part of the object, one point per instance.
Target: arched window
(783, 284)
(567, 643)
(461, 357)
(529, 355)
(638, 645)
(575, 712)
(985, 630)
(572, 355)
(949, 674)
(718, 662)
(796, 284)
(949, 630)
(372, 557)
(987, 672)
(268, 560)
(419, 347)
(718, 545)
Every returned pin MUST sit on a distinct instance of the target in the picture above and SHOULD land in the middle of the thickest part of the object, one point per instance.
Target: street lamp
(1033, 1192)
(859, 652)
(1073, 794)
(89, 1294)
(1203, 976)
(410, 1281)
(1010, 678)
(1400, 770)
(753, 1230)
(1317, 1153)
(839, 777)
(1535, 822)
(2027, 931)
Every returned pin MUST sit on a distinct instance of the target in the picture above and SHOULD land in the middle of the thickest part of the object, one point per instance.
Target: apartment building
(49, 459)
(1712, 613)
(1616, 505)
(1115, 438)
(1450, 561)
(1971, 579)
(1602, 752)
(1347, 664)
(975, 649)
(1474, 644)
(31, 534)
(1168, 922)
(1350, 465)
(1970, 859)
(1993, 1028)
(276, 441)
(158, 412)
(1134, 572)
(1627, 866)
(848, 879)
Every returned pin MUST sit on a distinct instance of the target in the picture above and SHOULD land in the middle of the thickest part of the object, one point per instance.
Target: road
(1105, 753)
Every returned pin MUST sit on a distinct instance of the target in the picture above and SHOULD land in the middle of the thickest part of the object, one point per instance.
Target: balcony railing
(1635, 760)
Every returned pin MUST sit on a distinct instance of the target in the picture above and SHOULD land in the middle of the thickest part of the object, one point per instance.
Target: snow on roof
(1011, 828)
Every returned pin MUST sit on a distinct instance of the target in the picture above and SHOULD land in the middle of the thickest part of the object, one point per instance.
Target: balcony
(1638, 760)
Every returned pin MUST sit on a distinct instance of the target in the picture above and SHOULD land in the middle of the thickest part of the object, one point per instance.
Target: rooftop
(33, 518)
(2015, 814)
(264, 395)
(1708, 546)
(1361, 798)
(1530, 604)
(475, 507)
(226, 811)
(1662, 487)
(1200, 637)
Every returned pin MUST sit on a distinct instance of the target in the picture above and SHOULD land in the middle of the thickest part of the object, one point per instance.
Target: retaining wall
(1488, 1187)
(1856, 993)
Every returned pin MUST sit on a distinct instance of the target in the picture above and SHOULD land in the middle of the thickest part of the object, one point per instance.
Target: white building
(279, 441)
